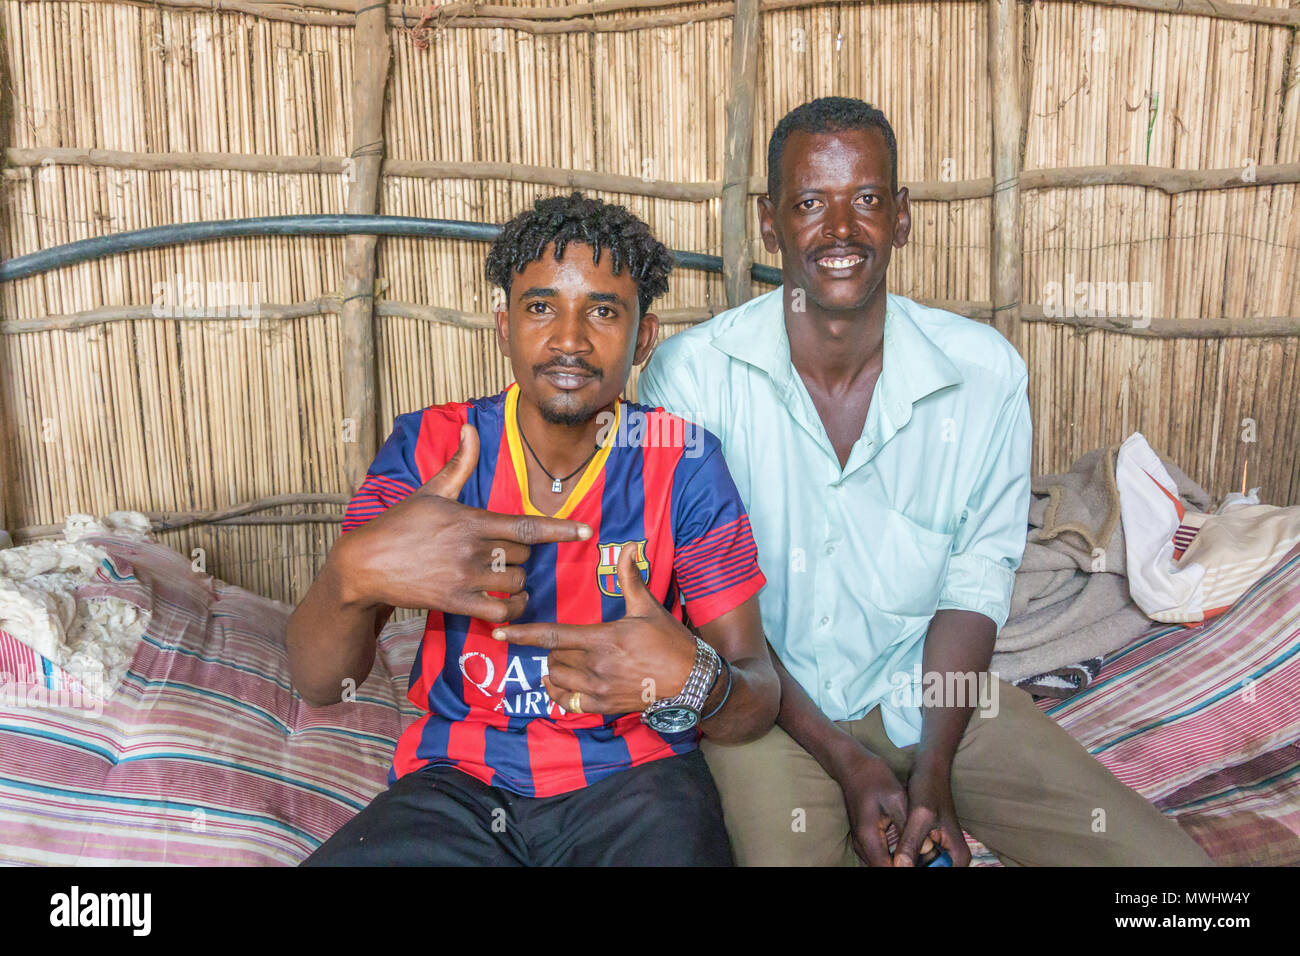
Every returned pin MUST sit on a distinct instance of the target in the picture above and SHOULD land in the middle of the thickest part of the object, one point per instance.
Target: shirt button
(830, 549)
(824, 621)
(828, 685)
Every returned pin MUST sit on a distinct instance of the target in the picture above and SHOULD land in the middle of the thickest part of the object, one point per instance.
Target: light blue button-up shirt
(930, 512)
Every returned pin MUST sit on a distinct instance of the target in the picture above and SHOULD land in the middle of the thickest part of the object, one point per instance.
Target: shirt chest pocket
(906, 563)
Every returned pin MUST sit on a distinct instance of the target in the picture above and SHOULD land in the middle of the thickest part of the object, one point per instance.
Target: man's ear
(647, 334)
(767, 224)
(903, 224)
(502, 319)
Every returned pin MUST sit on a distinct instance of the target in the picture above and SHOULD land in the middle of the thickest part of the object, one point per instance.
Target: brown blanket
(1071, 600)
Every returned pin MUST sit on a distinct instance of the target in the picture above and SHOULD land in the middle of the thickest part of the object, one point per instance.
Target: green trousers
(1021, 785)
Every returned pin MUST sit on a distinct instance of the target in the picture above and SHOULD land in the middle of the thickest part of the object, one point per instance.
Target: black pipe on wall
(315, 225)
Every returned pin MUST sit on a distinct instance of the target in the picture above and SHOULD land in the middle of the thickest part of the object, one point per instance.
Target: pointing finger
(533, 529)
(550, 636)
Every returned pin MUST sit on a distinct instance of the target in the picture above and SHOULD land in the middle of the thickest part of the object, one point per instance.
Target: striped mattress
(204, 756)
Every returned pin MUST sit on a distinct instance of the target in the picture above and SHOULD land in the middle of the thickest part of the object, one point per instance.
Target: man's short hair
(830, 114)
(604, 227)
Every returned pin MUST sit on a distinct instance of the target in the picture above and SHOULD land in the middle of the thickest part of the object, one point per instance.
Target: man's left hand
(930, 812)
(616, 667)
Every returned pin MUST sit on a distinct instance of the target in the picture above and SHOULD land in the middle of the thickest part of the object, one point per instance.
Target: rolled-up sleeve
(990, 541)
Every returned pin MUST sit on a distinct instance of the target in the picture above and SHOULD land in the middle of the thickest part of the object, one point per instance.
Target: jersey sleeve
(392, 476)
(716, 559)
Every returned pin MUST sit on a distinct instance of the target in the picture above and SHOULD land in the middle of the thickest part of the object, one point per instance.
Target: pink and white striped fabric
(205, 756)
(1204, 721)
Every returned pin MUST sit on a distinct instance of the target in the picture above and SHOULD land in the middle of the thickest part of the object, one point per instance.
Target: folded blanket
(1071, 599)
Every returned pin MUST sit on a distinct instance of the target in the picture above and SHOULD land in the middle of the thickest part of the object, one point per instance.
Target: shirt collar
(758, 336)
(914, 365)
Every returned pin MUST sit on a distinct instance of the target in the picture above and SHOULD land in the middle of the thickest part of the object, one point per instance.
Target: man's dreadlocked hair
(574, 218)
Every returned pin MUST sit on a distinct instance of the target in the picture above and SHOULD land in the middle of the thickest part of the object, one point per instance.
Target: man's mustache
(568, 363)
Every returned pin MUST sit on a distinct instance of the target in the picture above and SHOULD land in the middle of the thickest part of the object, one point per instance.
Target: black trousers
(663, 813)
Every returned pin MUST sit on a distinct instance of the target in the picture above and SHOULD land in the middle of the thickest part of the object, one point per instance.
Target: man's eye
(806, 204)
(604, 312)
(869, 200)
(537, 308)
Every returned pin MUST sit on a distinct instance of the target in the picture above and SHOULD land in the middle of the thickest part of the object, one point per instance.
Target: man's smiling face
(572, 333)
(836, 219)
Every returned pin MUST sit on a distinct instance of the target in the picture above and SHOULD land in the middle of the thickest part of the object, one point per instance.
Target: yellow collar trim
(594, 467)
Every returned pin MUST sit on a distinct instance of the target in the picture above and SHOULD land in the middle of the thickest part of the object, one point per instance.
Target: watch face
(673, 720)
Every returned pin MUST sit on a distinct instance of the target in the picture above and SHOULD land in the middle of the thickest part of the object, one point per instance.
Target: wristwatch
(672, 715)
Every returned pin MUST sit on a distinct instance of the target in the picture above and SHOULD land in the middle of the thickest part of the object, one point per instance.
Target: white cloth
(93, 639)
(1185, 566)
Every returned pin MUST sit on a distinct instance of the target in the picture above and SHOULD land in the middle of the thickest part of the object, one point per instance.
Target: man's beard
(560, 410)
(566, 408)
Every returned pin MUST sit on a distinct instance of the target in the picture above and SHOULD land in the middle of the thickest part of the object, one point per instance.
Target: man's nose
(569, 332)
(841, 221)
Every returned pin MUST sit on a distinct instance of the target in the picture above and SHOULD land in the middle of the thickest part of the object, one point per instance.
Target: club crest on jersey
(607, 569)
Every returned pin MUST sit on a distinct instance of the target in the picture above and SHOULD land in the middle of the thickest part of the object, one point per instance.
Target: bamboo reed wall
(1106, 142)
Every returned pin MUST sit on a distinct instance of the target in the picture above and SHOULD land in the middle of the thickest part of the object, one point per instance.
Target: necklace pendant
(556, 487)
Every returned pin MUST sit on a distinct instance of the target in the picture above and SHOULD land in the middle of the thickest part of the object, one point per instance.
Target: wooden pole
(5, 481)
(1006, 240)
(737, 257)
(370, 63)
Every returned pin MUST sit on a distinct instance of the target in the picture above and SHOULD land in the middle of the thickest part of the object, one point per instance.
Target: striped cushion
(1204, 721)
(204, 756)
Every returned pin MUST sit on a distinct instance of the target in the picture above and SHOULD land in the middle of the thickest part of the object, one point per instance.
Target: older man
(883, 451)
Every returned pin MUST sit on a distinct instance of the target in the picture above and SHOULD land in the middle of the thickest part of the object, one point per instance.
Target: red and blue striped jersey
(657, 484)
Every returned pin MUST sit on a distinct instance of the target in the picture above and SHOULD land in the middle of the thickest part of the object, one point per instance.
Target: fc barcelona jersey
(658, 485)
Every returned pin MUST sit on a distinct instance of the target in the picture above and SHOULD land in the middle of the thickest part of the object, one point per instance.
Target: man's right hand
(428, 551)
(874, 798)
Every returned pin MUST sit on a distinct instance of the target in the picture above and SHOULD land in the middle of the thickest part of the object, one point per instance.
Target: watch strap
(699, 682)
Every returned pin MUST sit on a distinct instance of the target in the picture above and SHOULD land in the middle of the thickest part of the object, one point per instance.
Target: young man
(541, 744)
(883, 449)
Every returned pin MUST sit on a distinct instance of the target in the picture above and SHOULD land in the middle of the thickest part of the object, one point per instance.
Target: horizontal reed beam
(573, 19)
(1119, 174)
(325, 305)
(1248, 326)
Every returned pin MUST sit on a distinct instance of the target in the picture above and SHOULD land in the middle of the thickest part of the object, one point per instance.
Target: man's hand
(429, 551)
(618, 667)
(874, 799)
(931, 813)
